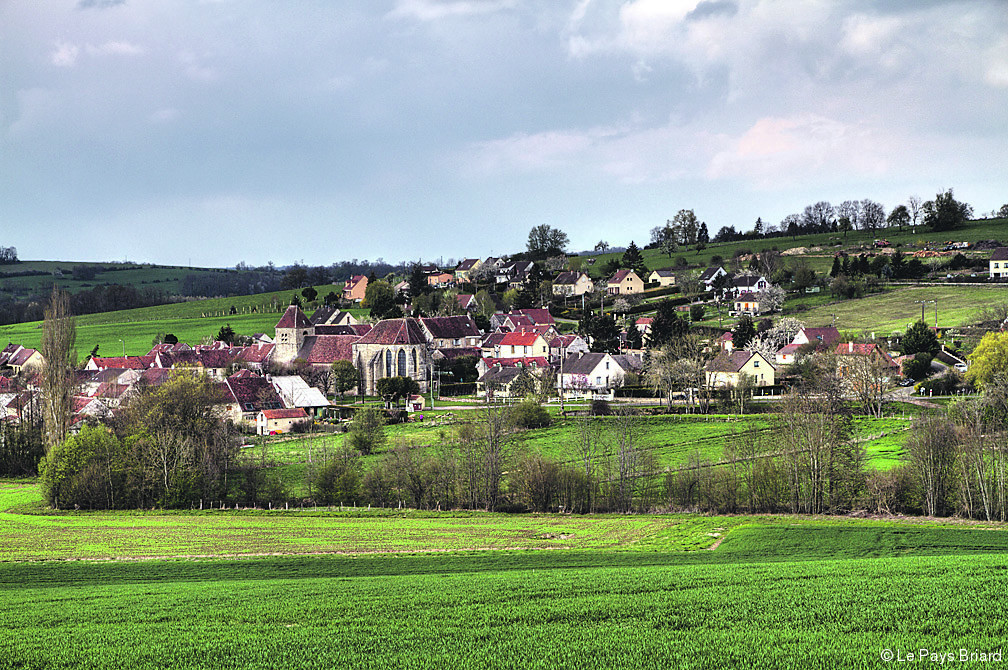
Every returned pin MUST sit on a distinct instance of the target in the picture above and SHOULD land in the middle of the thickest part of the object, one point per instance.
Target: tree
(850, 210)
(989, 358)
(899, 217)
(665, 238)
(758, 227)
(602, 333)
(632, 258)
(931, 447)
(339, 480)
(837, 268)
(687, 225)
(380, 299)
(367, 429)
(703, 237)
(872, 215)
(344, 377)
(309, 293)
(1002, 213)
(59, 334)
(544, 241)
(743, 331)
(417, 282)
(85, 471)
(916, 207)
(791, 224)
(668, 325)
(393, 389)
(917, 367)
(226, 334)
(819, 218)
(602, 246)
(844, 225)
(920, 339)
(945, 212)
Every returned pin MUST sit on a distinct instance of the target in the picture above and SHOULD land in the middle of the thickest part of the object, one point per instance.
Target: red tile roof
(395, 331)
(322, 349)
(529, 361)
(450, 327)
(620, 276)
(517, 339)
(290, 413)
(538, 316)
(294, 318)
(123, 362)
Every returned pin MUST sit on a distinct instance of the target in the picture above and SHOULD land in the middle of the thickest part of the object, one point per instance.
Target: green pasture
(484, 590)
(190, 321)
(894, 310)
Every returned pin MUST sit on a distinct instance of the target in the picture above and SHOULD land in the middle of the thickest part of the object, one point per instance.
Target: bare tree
(916, 207)
(851, 210)
(587, 449)
(59, 334)
(931, 447)
(868, 378)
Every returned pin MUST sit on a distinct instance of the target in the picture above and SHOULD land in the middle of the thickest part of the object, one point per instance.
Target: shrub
(367, 430)
(696, 312)
(917, 367)
(339, 480)
(530, 414)
(600, 408)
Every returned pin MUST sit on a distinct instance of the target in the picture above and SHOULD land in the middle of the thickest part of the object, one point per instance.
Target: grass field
(894, 310)
(778, 592)
(189, 321)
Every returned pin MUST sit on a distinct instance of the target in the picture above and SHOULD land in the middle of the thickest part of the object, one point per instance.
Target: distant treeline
(105, 298)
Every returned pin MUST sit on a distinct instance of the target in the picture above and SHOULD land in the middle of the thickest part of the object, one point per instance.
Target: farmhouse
(749, 283)
(710, 275)
(19, 358)
(465, 269)
(451, 331)
(523, 345)
(274, 421)
(589, 373)
(999, 263)
(747, 303)
(727, 369)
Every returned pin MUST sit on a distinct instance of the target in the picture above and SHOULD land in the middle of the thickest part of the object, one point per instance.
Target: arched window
(401, 363)
(416, 370)
(388, 363)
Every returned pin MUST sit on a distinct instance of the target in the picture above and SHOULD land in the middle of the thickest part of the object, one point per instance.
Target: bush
(530, 414)
(339, 480)
(917, 367)
(600, 408)
(696, 312)
(84, 471)
(947, 384)
(367, 430)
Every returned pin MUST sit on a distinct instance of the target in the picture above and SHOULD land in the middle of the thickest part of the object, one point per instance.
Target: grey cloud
(710, 8)
(99, 4)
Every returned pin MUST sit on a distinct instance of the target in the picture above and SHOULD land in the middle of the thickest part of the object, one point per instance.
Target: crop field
(189, 321)
(777, 592)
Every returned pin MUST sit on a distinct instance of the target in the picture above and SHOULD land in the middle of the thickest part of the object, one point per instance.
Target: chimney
(850, 346)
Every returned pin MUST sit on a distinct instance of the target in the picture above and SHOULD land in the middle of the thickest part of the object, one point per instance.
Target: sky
(215, 132)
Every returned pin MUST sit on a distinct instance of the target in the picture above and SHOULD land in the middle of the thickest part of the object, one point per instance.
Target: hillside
(134, 329)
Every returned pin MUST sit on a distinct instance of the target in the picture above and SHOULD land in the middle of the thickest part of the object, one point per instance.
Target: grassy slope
(189, 321)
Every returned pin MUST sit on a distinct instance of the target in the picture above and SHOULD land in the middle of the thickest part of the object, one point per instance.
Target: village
(273, 383)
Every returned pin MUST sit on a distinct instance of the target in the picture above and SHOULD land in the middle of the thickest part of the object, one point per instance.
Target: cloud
(165, 115)
(115, 48)
(781, 151)
(65, 55)
(996, 73)
(99, 4)
(433, 10)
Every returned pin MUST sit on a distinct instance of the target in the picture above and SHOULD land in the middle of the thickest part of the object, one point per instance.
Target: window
(512, 349)
(607, 365)
(388, 363)
(755, 364)
(401, 363)
(995, 266)
(598, 381)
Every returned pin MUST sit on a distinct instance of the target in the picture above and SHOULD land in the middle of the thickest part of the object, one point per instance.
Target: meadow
(190, 321)
(641, 591)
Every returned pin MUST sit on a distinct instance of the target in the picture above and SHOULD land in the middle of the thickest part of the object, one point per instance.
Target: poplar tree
(59, 334)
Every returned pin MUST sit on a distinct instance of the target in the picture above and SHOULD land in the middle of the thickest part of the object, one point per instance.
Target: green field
(190, 321)
(630, 591)
(885, 313)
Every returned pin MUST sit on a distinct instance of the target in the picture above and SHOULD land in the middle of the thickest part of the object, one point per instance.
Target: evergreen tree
(837, 268)
(743, 332)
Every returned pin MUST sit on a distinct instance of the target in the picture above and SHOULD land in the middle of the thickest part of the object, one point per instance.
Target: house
(521, 344)
(496, 382)
(593, 373)
(847, 353)
(747, 303)
(467, 301)
(643, 325)
(662, 277)
(538, 316)
(750, 283)
(328, 315)
(440, 279)
(710, 275)
(624, 282)
(451, 331)
(245, 394)
(786, 355)
(726, 369)
(464, 270)
(20, 359)
(531, 362)
(572, 284)
(277, 421)
(295, 392)
(562, 346)
(822, 336)
(727, 341)
(999, 263)
(355, 288)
